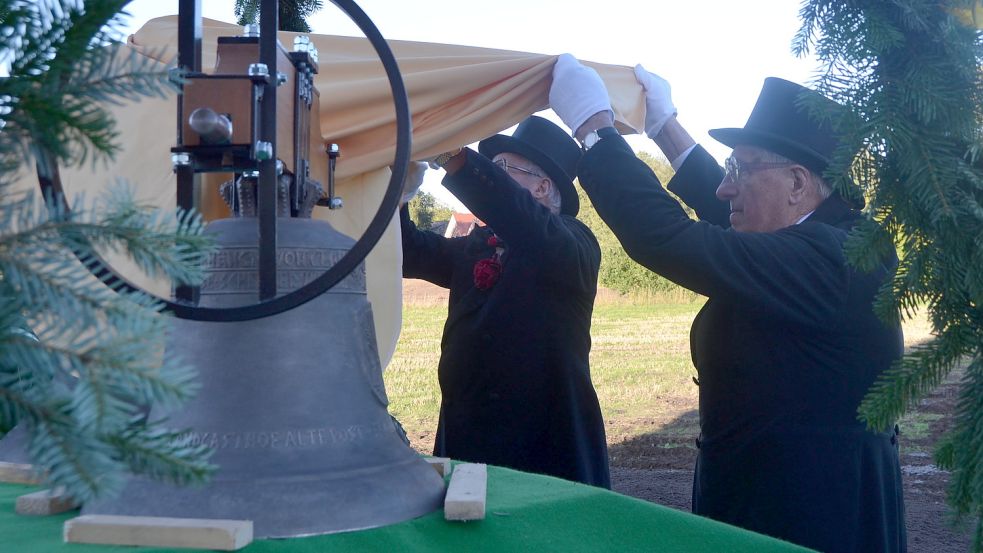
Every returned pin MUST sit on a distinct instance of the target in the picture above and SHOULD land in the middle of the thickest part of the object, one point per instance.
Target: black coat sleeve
(696, 184)
(427, 255)
(798, 273)
(562, 243)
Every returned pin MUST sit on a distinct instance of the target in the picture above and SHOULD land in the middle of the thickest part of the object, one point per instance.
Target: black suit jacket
(786, 347)
(514, 375)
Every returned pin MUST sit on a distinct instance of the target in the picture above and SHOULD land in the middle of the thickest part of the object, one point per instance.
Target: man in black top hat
(787, 343)
(514, 378)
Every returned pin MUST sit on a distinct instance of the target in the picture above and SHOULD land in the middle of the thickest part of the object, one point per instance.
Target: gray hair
(823, 187)
(553, 199)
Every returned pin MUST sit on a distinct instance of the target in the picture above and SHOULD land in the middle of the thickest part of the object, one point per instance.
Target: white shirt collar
(806, 216)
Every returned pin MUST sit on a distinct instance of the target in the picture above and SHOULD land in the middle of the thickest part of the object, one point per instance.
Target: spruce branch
(964, 455)
(63, 74)
(77, 460)
(919, 372)
(292, 14)
(79, 361)
(911, 68)
(152, 450)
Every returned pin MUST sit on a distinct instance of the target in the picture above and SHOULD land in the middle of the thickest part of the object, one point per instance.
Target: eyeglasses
(735, 168)
(504, 164)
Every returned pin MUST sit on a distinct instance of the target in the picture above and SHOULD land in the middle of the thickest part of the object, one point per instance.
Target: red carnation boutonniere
(487, 271)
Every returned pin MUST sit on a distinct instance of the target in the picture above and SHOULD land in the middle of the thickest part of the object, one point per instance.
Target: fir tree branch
(920, 371)
(77, 460)
(913, 71)
(90, 363)
(149, 449)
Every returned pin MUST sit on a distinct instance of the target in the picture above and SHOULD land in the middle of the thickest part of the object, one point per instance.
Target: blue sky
(715, 53)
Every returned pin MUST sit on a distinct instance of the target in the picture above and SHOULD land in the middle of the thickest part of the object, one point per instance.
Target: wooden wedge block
(17, 473)
(224, 535)
(440, 464)
(45, 502)
(465, 499)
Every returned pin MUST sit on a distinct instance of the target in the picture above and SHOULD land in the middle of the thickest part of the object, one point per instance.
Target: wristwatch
(441, 160)
(594, 137)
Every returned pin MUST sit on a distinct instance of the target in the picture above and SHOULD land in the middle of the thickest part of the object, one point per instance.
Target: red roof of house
(463, 224)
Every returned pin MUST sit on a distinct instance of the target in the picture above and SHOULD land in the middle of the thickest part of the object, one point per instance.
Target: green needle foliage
(80, 363)
(912, 70)
(292, 14)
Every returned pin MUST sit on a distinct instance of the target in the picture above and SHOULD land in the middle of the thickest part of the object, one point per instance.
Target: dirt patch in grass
(658, 467)
(421, 292)
(926, 513)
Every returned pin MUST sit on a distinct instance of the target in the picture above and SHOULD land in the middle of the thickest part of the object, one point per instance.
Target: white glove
(413, 180)
(577, 92)
(658, 103)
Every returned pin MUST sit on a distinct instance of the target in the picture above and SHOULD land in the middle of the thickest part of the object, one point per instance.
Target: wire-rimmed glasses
(734, 168)
(506, 166)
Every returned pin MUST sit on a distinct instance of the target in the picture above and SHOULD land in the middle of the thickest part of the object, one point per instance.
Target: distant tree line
(425, 210)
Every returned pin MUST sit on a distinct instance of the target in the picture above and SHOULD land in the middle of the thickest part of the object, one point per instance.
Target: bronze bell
(293, 404)
(13, 445)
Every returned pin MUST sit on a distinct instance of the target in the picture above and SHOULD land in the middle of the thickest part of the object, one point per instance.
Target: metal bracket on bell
(241, 194)
(180, 159)
(332, 201)
(262, 150)
(250, 30)
(258, 72)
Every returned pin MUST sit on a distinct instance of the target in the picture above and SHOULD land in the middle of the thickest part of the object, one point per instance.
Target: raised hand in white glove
(413, 180)
(658, 103)
(577, 92)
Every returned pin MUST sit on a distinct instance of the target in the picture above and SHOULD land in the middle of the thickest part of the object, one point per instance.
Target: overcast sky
(715, 53)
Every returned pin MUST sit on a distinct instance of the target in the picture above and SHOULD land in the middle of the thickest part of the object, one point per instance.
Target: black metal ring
(350, 261)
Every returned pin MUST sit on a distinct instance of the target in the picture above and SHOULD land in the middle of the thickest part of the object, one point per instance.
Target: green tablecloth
(525, 512)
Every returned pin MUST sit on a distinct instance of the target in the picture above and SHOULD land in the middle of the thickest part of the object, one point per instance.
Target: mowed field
(640, 366)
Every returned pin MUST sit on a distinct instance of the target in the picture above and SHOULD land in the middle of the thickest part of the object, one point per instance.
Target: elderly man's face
(760, 198)
(529, 175)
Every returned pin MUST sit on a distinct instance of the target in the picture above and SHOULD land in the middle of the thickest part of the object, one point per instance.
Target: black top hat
(782, 122)
(549, 147)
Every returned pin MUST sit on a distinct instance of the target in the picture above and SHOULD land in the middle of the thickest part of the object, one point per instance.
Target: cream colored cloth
(457, 95)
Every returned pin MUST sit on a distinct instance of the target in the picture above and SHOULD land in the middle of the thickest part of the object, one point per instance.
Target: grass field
(640, 365)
